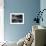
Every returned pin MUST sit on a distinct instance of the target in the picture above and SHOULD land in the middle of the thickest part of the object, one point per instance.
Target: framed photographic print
(16, 18)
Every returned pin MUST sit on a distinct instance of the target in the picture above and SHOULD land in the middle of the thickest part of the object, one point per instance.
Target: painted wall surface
(43, 6)
(29, 8)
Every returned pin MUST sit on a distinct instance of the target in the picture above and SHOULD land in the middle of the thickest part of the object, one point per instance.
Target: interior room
(22, 22)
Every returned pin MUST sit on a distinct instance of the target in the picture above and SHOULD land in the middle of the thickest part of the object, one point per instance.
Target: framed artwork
(16, 18)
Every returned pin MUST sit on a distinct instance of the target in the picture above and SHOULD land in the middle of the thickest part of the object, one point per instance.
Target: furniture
(39, 35)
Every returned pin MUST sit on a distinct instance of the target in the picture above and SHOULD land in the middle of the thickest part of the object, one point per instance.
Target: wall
(1, 21)
(29, 8)
(43, 6)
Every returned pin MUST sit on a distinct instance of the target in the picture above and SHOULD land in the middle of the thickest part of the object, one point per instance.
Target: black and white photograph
(16, 18)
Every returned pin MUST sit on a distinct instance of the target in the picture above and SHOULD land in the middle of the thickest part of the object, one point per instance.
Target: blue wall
(43, 6)
(29, 8)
